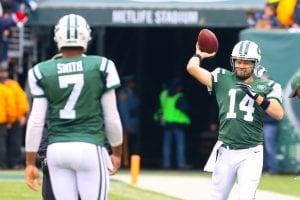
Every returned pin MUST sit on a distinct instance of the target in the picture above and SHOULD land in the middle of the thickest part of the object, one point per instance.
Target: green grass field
(12, 186)
(17, 190)
(285, 184)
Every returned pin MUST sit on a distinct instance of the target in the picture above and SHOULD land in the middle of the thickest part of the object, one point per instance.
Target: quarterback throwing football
(243, 99)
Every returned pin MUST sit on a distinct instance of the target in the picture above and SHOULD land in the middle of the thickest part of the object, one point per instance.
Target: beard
(244, 74)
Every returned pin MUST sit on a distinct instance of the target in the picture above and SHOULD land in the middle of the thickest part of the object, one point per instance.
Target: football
(207, 41)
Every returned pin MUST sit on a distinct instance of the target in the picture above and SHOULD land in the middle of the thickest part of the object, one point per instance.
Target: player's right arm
(34, 130)
(194, 67)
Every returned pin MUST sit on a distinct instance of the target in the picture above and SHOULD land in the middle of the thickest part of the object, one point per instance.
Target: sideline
(189, 187)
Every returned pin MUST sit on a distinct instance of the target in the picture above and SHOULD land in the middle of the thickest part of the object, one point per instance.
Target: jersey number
(247, 105)
(68, 111)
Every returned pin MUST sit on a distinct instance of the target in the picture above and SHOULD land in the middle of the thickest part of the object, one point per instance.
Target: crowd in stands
(284, 14)
(14, 103)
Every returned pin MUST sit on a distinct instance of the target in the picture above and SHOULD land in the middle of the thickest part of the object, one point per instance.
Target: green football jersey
(241, 118)
(73, 88)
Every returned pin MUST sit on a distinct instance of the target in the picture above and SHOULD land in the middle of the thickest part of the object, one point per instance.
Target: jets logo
(258, 51)
(261, 87)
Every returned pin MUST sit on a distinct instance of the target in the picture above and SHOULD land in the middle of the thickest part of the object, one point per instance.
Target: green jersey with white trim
(73, 88)
(241, 118)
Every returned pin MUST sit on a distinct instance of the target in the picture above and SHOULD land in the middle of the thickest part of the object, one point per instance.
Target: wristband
(256, 96)
(198, 56)
(265, 103)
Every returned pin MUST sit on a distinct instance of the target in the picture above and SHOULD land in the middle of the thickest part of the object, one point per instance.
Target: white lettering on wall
(154, 17)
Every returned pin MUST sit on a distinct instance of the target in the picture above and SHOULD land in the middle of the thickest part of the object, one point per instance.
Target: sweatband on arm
(265, 103)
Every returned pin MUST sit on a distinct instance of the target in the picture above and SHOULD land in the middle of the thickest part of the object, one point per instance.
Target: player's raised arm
(194, 67)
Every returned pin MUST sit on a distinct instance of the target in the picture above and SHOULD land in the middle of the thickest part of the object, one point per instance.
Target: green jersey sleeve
(111, 75)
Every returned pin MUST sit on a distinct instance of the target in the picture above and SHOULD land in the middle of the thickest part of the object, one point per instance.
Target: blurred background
(153, 40)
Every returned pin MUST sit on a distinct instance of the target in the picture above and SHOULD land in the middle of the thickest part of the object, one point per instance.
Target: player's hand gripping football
(203, 54)
(247, 89)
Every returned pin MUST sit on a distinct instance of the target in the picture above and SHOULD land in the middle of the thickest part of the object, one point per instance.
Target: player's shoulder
(101, 61)
(267, 82)
(220, 73)
(40, 67)
(45, 64)
(96, 58)
(267, 86)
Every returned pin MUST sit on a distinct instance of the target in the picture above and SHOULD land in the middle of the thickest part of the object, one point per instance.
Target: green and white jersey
(241, 118)
(73, 88)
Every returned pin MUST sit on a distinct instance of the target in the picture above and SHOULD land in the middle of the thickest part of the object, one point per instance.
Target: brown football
(207, 41)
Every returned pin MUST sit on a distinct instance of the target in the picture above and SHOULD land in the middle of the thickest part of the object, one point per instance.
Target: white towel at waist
(210, 164)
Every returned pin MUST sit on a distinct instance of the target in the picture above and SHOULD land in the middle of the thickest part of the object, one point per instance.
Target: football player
(243, 99)
(295, 85)
(77, 92)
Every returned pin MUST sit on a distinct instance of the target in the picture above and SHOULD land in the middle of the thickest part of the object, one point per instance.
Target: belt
(230, 147)
(234, 148)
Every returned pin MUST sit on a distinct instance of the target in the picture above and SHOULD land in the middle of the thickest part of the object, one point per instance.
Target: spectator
(5, 24)
(267, 19)
(270, 140)
(15, 136)
(286, 10)
(16, 5)
(296, 23)
(251, 21)
(129, 108)
(174, 119)
(6, 35)
(274, 2)
(7, 117)
(6, 21)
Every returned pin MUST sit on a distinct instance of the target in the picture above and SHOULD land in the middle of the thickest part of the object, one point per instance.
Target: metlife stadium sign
(131, 13)
(150, 17)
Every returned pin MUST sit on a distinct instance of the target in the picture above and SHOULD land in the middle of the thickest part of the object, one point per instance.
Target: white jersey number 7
(68, 111)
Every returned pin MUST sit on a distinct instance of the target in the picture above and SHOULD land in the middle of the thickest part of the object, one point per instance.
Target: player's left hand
(32, 177)
(247, 89)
